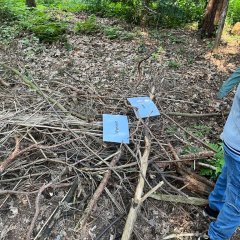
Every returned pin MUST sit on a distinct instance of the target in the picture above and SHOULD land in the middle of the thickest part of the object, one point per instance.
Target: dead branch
(154, 189)
(190, 134)
(194, 182)
(199, 155)
(179, 199)
(197, 115)
(181, 235)
(135, 206)
(81, 225)
(34, 87)
(16, 153)
(12, 156)
(12, 192)
(37, 209)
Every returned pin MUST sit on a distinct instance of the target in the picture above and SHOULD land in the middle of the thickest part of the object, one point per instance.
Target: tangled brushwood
(45, 145)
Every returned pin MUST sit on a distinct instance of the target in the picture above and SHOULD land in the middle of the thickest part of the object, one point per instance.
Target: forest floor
(92, 75)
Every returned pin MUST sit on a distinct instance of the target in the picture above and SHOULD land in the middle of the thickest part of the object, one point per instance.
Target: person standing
(224, 200)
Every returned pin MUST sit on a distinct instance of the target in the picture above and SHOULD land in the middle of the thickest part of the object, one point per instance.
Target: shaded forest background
(51, 17)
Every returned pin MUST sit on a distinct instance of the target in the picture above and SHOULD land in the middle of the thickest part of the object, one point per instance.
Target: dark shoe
(209, 212)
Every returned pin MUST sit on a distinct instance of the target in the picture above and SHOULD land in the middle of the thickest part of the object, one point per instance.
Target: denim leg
(229, 217)
(218, 195)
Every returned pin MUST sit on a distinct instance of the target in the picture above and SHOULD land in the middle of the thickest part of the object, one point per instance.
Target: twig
(190, 134)
(207, 166)
(196, 115)
(132, 215)
(154, 189)
(81, 225)
(179, 199)
(167, 182)
(139, 67)
(176, 236)
(16, 153)
(34, 87)
(5, 84)
(45, 230)
(108, 227)
(23, 177)
(12, 156)
(12, 192)
(37, 209)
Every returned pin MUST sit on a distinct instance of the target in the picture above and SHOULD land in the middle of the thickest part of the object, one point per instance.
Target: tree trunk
(31, 3)
(221, 24)
(211, 18)
(218, 12)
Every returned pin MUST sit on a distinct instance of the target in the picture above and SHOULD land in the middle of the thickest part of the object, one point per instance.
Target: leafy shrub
(87, 26)
(173, 64)
(50, 32)
(8, 33)
(234, 11)
(176, 13)
(217, 161)
(117, 32)
(10, 10)
(44, 24)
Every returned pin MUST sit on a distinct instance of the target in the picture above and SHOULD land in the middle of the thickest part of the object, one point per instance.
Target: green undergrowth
(217, 161)
(90, 26)
(46, 24)
(50, 19)
(87, 26)
(49, 23)
(201, 131)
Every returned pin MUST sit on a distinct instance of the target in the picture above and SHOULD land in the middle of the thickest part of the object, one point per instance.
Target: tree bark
(31, 3)
(219, 12)
(211, 18)
(221, 23)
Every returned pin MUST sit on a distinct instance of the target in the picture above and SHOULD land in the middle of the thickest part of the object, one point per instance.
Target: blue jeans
(226, 198)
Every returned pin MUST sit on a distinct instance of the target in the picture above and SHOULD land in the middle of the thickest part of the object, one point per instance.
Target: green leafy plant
(173, 64)
(8, 33)
(217, 161)
(87, 26)
(117, 32)
(234, 12)
(157, 53)
(50, 32)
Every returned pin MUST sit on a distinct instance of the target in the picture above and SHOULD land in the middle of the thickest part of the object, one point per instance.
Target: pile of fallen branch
(51, 137)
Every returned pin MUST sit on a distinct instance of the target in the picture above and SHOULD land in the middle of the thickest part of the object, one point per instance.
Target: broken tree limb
(197, 115)
(136, 203)
(181, 235)
(194, 182)
(81, 225)
(12, 156)
(37, 210)
(154, 189)
(207, 166)
(16, 153)
(179, 199)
